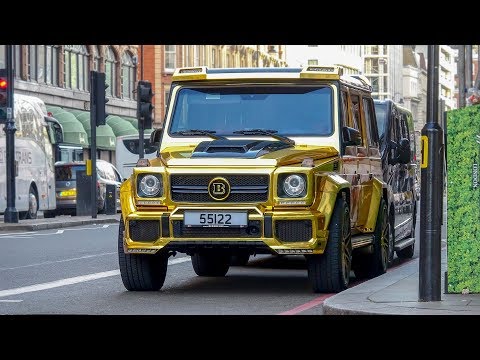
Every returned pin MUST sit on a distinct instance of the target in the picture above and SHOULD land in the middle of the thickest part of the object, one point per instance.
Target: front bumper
(285, 231)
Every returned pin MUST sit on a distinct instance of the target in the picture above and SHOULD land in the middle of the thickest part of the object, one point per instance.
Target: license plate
(68, 193)
(215, 218)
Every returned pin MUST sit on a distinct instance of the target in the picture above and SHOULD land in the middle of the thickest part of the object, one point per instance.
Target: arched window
(43, 64)
(76, 66)
(129, 70)
(110, 71)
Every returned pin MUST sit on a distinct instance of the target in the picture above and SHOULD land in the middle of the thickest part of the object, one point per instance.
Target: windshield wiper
(272, 133)
(193, 132)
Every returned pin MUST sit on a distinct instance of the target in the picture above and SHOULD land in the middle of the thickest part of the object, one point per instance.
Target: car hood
(242, 153)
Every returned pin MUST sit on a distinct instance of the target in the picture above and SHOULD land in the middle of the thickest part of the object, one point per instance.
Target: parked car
(398, 149)
(281, 161)
(66, 186)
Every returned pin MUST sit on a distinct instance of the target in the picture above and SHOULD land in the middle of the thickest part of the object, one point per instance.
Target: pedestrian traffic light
(144, 103)
(3, 95)
(98, 97)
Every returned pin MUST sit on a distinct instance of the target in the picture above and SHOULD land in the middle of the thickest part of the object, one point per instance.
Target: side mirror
(351, 136)
(155, 137)
(57, 129)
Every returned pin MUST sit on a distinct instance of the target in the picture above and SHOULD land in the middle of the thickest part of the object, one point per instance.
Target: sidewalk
(56, 222)
(396, 293)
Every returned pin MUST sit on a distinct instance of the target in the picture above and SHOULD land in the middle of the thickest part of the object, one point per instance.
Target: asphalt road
(75, 271)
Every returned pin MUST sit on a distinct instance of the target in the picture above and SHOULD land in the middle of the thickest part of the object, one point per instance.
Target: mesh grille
(144, 230)
(240, 184)
(293, 230)
(179, 231)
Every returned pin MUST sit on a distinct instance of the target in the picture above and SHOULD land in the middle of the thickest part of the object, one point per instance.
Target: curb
(54, 225)
(357, 300)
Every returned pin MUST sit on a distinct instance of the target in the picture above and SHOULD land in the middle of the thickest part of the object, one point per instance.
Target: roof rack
(308, 72)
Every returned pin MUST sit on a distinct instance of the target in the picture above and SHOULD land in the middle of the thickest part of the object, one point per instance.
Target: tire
(141, 272)
(376, 263)
(210, 263)
(391, 240)
(240, 259)
(330, 272)
(32, 211)
(49, 214)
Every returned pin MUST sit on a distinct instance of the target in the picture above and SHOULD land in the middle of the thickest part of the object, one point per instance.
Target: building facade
(446, 75)
(60, 76)
(383, 66)
(347, 56)
(160, 61)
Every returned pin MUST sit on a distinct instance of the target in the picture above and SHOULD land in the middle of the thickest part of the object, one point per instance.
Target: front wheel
(140, 272)
(330, 272)
(406, 253)
(32, 211)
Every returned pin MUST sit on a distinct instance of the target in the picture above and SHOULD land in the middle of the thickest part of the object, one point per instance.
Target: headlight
(149, 185)
(294, 185)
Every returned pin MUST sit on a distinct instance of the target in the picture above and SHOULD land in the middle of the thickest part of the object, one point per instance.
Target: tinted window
(381, 115)
(67, 172)
(290, 110)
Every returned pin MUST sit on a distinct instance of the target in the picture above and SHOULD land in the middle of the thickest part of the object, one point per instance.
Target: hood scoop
(245, 149)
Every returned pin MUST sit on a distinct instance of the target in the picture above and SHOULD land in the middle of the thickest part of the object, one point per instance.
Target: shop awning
(73, 131)
(121, 126)
(132, 121)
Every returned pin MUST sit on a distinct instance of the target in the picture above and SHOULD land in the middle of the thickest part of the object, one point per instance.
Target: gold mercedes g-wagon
(281, 161)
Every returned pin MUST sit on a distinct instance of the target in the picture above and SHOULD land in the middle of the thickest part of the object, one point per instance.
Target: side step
(359, 241)
(404, 243)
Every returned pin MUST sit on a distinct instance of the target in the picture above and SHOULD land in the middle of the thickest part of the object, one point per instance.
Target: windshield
(381, 114)
(288, 110)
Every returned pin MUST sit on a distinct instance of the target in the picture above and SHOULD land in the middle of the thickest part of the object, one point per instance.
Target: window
(96, 58)
(214, 58)
(18, 60)
(170, 54)
(355, 113)
(76, 66)
(129, 70)
(3, 56)
(231, 108)
(313, 62)
(43, 64)
(372, 134)
(110, 71)
(344, 121)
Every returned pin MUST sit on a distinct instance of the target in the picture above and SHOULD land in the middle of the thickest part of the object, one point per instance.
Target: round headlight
(150, 185)
(294, 185)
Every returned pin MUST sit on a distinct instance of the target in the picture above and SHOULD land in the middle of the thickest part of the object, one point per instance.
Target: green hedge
(463, 209)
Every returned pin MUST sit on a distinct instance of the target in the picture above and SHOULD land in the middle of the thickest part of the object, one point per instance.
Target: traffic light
(3, 95)
(144, 103)
(98, 98)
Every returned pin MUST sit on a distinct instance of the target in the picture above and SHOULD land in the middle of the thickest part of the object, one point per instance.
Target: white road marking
(58, 261)
(11, 301)
(30, 234)
(74, 280)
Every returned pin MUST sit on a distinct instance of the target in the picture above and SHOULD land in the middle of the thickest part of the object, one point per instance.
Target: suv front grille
(244, 188)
